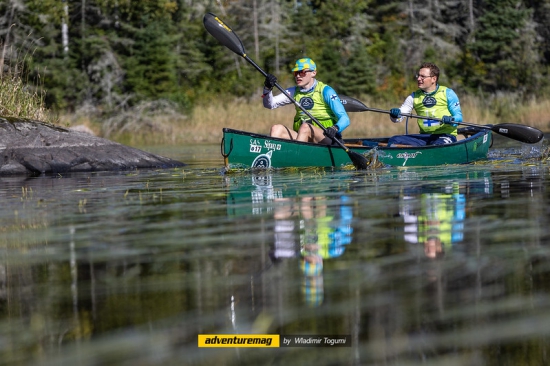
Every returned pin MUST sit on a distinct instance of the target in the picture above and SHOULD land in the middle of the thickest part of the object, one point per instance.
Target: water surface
(443, 265)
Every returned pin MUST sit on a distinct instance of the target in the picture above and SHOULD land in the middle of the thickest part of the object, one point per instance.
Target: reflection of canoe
(245, 150)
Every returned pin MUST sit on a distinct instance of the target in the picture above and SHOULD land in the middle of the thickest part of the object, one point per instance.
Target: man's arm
(406, 107)
(453, 105)
(271, 101)
(331, 98)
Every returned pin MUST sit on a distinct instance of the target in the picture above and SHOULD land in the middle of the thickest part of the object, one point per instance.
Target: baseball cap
(305, 64)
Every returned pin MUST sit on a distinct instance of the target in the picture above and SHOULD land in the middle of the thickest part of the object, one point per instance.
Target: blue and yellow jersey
(441, 102)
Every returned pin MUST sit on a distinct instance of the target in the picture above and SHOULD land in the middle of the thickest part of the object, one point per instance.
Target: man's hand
(270, 81)
(395, 113)
(331, 132)
(449, 120)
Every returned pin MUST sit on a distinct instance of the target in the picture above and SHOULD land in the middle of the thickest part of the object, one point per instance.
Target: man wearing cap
(319, 99)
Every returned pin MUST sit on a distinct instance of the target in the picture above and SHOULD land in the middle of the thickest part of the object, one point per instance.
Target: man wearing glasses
(319, 99)
(430, 100)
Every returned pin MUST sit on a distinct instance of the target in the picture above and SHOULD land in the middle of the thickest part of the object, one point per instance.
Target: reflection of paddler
(320, 239)
(320, 233)
(314, 230)
(440, 223)
(284, 230)
(329, 234)
(311, 264)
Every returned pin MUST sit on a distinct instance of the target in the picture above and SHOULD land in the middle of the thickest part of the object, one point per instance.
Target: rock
(82, 128)
(33, 147)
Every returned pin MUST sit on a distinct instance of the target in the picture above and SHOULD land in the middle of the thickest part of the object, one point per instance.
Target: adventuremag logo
(239, 340)
(273, 340)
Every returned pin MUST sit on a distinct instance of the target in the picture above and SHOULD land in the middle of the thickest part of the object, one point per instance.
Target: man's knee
(306, 128)
(277, 130)
(281, 131)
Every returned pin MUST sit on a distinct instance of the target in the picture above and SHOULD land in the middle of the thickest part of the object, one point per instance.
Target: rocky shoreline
(30, 147)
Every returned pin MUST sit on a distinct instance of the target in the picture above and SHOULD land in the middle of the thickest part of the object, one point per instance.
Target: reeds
(147, 122)
(21, 99)
(208, 120)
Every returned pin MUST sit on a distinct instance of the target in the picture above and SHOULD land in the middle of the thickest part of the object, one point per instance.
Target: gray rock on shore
(33, 147)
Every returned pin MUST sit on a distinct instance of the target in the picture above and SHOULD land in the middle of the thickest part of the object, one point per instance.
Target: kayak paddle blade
(223, 33)
(352, 104)
(527, 134)
(358, 160)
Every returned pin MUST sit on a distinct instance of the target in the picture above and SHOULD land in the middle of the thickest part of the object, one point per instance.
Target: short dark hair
(434, 70)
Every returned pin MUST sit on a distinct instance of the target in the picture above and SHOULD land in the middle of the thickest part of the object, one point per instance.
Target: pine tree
(503, 51)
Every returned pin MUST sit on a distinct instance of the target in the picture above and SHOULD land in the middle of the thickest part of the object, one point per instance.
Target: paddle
(225, 35)
(514, 131)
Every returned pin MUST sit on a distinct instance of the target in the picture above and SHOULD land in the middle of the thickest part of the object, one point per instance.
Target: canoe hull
(473, 149)
(249, 150)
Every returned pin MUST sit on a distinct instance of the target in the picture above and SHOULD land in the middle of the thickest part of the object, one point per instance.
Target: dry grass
(208, 121)
(536, 114)
(18, 99)
(205, 125)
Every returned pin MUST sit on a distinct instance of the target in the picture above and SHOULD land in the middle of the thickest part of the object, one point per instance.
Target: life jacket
(314, 103)
(433, 104)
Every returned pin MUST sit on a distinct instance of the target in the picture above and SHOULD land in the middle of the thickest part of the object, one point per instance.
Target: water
(437, 266)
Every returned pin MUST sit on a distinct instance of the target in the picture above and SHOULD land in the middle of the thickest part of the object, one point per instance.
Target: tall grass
(20, 99)
(150, 122)
(208, 120)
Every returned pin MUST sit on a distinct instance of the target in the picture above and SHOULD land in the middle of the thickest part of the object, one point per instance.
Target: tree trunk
(471, 12)
(6, 42)
(276, 25)
(256, 32)
(65, 29)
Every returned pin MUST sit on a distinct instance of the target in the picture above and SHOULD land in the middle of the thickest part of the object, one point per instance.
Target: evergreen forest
(111, 55)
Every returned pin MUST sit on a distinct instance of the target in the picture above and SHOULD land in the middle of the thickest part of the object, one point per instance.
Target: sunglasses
(422, 77)
(302, 73)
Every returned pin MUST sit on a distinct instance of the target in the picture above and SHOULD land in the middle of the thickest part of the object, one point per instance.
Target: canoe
(244, 150)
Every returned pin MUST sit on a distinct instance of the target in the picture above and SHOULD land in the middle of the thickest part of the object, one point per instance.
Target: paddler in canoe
(317, 98)
(430, 100)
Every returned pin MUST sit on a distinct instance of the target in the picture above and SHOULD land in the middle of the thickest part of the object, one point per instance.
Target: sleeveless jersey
(314, 103)
(434, 104)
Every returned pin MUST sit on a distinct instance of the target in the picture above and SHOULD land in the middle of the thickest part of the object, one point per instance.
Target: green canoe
(242, 149)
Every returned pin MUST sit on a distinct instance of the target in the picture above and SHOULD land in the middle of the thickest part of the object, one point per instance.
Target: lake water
(416, 266)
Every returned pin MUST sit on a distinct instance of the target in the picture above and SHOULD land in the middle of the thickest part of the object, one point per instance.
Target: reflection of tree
(310, 229)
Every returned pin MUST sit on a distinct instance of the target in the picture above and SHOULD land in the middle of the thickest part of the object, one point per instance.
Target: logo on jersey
(429, 101)
(307, 103)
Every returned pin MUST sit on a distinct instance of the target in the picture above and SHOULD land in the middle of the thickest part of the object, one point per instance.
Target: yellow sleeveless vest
(314, 103)
(433, 105)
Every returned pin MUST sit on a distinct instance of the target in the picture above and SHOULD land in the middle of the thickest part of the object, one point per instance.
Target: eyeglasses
(422, 76)
(302, 73)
